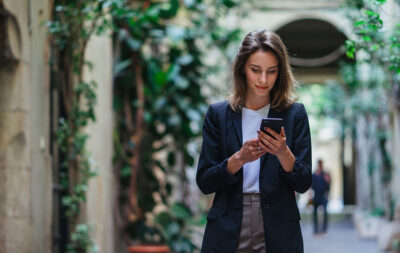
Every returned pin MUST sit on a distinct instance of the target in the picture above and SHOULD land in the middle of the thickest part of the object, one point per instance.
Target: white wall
(101, 194)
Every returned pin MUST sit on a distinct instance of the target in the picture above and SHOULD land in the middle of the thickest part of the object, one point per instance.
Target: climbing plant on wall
(376, 49)
(161, 50)
(72, 25)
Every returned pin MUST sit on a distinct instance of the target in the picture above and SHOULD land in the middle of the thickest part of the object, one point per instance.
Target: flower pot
(149, 249)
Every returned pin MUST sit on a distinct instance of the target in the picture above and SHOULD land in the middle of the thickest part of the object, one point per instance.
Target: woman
(254, 176)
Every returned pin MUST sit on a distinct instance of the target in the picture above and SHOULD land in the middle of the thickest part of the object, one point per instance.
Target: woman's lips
(261, 88)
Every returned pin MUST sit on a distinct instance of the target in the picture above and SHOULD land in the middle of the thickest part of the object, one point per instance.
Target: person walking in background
(321, 181)
(254, 175)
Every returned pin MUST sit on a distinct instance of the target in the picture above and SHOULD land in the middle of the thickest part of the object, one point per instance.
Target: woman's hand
(250, 151)
(277, 146)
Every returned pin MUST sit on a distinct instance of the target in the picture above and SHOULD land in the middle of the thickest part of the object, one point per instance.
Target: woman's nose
(263, 78)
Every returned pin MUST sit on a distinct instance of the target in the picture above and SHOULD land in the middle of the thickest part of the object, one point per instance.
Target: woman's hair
(282, 94)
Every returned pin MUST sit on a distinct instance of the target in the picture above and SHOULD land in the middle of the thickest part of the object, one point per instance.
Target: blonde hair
(283, 93)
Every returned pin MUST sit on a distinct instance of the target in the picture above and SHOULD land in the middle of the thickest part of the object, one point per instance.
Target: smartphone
(273, 123)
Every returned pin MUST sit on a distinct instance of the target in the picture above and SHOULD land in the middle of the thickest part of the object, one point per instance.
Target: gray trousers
(251, 239)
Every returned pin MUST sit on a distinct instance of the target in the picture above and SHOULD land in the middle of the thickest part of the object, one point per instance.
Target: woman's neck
(256, 104)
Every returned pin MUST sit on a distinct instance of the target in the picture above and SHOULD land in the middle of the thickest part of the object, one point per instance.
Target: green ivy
(159, 74)
(73, 24)
(373, 83)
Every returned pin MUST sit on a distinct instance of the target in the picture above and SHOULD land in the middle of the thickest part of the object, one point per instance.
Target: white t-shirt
(251, 121)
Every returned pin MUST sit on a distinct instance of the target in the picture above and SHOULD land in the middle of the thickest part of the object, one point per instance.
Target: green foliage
(81, 240)
(172, 224)
(372, 83)
(161, 47)
(350, 48)
(378, 211)
(163, 56)
(71, 28)
(377, 45)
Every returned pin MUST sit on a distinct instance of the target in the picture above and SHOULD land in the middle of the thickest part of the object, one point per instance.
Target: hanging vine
(161, 49)
(376, 45)
(72, 25)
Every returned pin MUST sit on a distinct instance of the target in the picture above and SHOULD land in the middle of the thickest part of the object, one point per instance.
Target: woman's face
(261, 70)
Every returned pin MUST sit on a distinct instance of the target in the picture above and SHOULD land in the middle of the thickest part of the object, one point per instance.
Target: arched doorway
(316, 49)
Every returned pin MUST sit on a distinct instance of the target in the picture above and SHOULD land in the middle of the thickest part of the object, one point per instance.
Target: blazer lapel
(274, 113)
(237, 125)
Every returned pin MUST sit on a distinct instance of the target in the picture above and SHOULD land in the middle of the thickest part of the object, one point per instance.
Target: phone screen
(273, 123)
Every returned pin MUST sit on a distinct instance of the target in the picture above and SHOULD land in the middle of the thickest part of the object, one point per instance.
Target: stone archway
(313, 42)
(316, 47)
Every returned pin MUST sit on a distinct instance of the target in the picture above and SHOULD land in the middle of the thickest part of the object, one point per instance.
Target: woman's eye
(255, 70)
(272, 72)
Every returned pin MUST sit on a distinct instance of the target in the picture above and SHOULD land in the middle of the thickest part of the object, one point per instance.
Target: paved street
(341, 238)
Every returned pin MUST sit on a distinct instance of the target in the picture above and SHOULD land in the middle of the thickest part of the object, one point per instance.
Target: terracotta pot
(149, 249)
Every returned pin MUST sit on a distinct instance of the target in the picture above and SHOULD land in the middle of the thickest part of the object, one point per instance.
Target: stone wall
(25, 171)
(26, 192)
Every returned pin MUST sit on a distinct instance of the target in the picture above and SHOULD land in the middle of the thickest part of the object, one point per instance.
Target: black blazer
(222, 137)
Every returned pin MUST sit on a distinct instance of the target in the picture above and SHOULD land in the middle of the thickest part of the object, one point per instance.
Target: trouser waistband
(251, 197)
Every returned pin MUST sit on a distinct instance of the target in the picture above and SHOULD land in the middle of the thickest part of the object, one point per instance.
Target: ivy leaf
(189, 159)
(173, 72)
(162, 167)
(367, 38)
(126, 172)
(169, 9)
(173, 229)
(161, 78)
(181, 82)
(229, 3)
(370, 13)
(163, 219)
(121, 66)
(181, 211)
(375, 47)
(66, 200)
(148, 117)
(360, 22)
(350, 48)
(171, 159)
(160, 103)
(133, 43)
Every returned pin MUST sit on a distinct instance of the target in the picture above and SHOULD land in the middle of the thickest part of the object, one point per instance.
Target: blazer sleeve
(300, 179)
(212, 174)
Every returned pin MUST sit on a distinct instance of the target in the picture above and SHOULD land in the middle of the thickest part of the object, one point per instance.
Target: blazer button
(266, 205)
